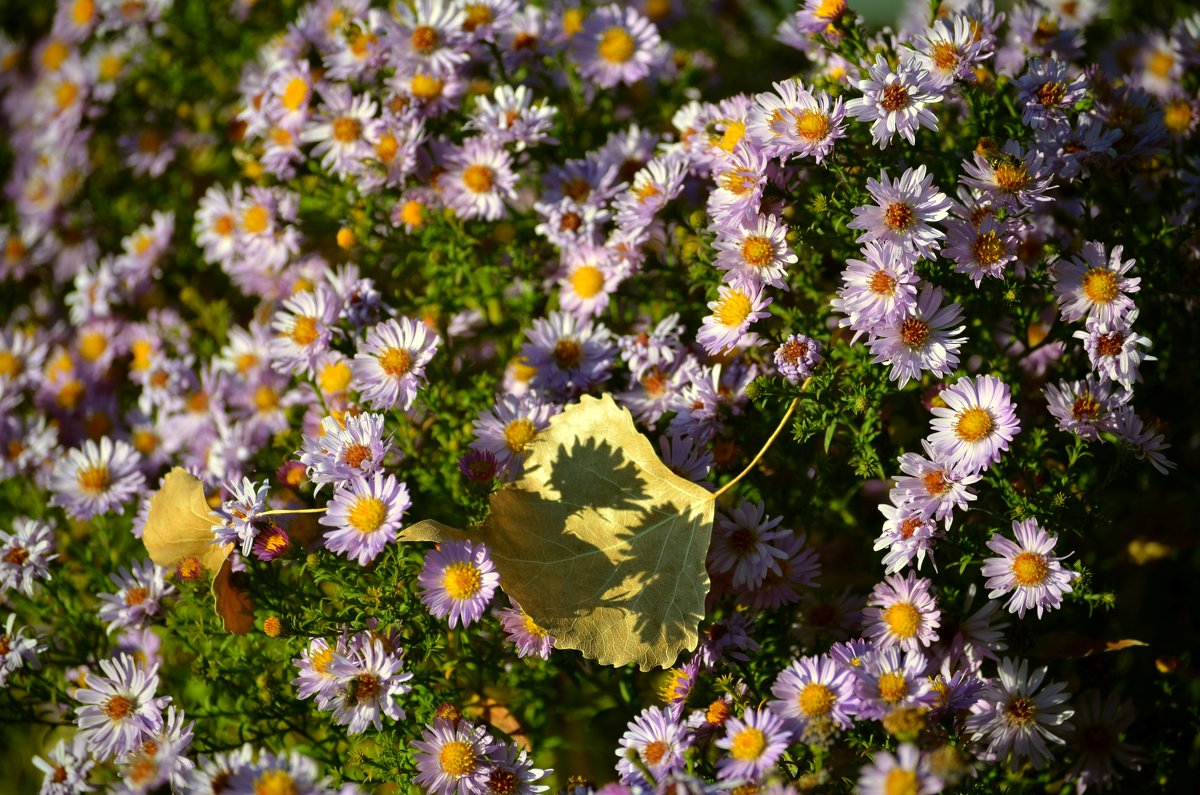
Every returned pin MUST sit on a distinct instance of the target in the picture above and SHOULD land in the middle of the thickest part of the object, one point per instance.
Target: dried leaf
(600, 542)
(1070, 644)
(179, 524)
(496, 714)
(232, 602)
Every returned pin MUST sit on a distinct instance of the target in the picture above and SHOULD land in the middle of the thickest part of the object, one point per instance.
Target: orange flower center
(1029, 568)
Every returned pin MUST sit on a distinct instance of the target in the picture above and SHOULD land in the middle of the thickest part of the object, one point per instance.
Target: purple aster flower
(657, 183)
(1012, 178)
(66, 767)
(570, 355)
(902, 613)
(367, 684)
(797, 570)
(531, 640)
(920, 340)
(237, 515)
(365, 514)
(903, 212)
(1094, 284)
(479, 179)
(1096, 735)
(743, 543)
(977, 425)
(1114, 349)
(479, 466)
(272, 542)
(686, 456)
(981, 250)
(342, 452)
(16, 650)
(1071, 151)
(458, 581)
(617, 45)
(905, 772)
(590, 274)
(452, 758)
(741, 178)
(291, 772)
(797, 356)
(754, 743)
(1146, 443)
(950, 50)
(510, 115)
(755, 253)
(660, 742)
(161, 758)
(1028, 569)
(1085, 408)
(732, 315)
(895, 101)
(1015, 715)
(25, 554)
(889, 679)
(304, 328)
(119, 708)
(315, 675)
(793, 122)
(138, 598)
(1047, 92)
(814, 690)
(657, 346)
(931, 487)
(389, 365)
(819, 17)
(338, 127)
(908, 533)
(511, 771)
(96, 478)
(956, 692)
(879, 289)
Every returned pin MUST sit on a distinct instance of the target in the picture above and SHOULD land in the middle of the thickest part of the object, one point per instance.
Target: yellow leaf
(179, 524)
(600, 542)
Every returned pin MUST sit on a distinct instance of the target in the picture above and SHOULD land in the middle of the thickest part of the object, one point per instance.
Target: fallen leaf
(601, 544)
(496, 714)
(179, 524)
(232, 603)
(1069, 644)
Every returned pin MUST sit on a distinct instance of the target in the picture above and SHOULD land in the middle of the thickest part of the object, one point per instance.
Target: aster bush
(289, 291)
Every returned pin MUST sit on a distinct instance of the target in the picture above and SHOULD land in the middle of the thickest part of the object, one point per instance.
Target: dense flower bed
(474, 396)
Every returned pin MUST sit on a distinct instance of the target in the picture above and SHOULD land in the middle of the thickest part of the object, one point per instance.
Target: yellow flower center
(92, 345)
(518, 434)
(616, 45)
(478, 178)
(457, 758)
(462, 580)
(117, 708)
(811, 125)
(413, 213)
(387, 147)
(1085, 407)
(65, 94)
(304, 332)
(255, 219)
(334, 378)
(901, 782)
(10, 365)
(816, 700)
(82, 11)
(1100, 285)
(295, 93)
(757, 251)
(749, 744)
(55, 53)
(1177, 116)
(882, 283)
(93, 480)
(396, 362)
(654, 752)
(734, 130)
(1012, 176)
(424, 39)
(477, 14)
(988, 248)
(1052, 93)
(973, 424)
(830, 10)
(275, 782)
(733, 309)
(355, 454)
(894, 98)
(532, 626)
(1160, 64)
(914, 332)
(367, 514)
(903, 620)
(321, 660)
(426, 88)
(899, 216)
(1020, 710)
(945, 56)
(587, 280)
(346, 129)
(892, 687)
(1029, 568)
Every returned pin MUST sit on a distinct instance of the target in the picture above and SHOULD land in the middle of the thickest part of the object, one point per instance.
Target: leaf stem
(284, 511)
(778, 430)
